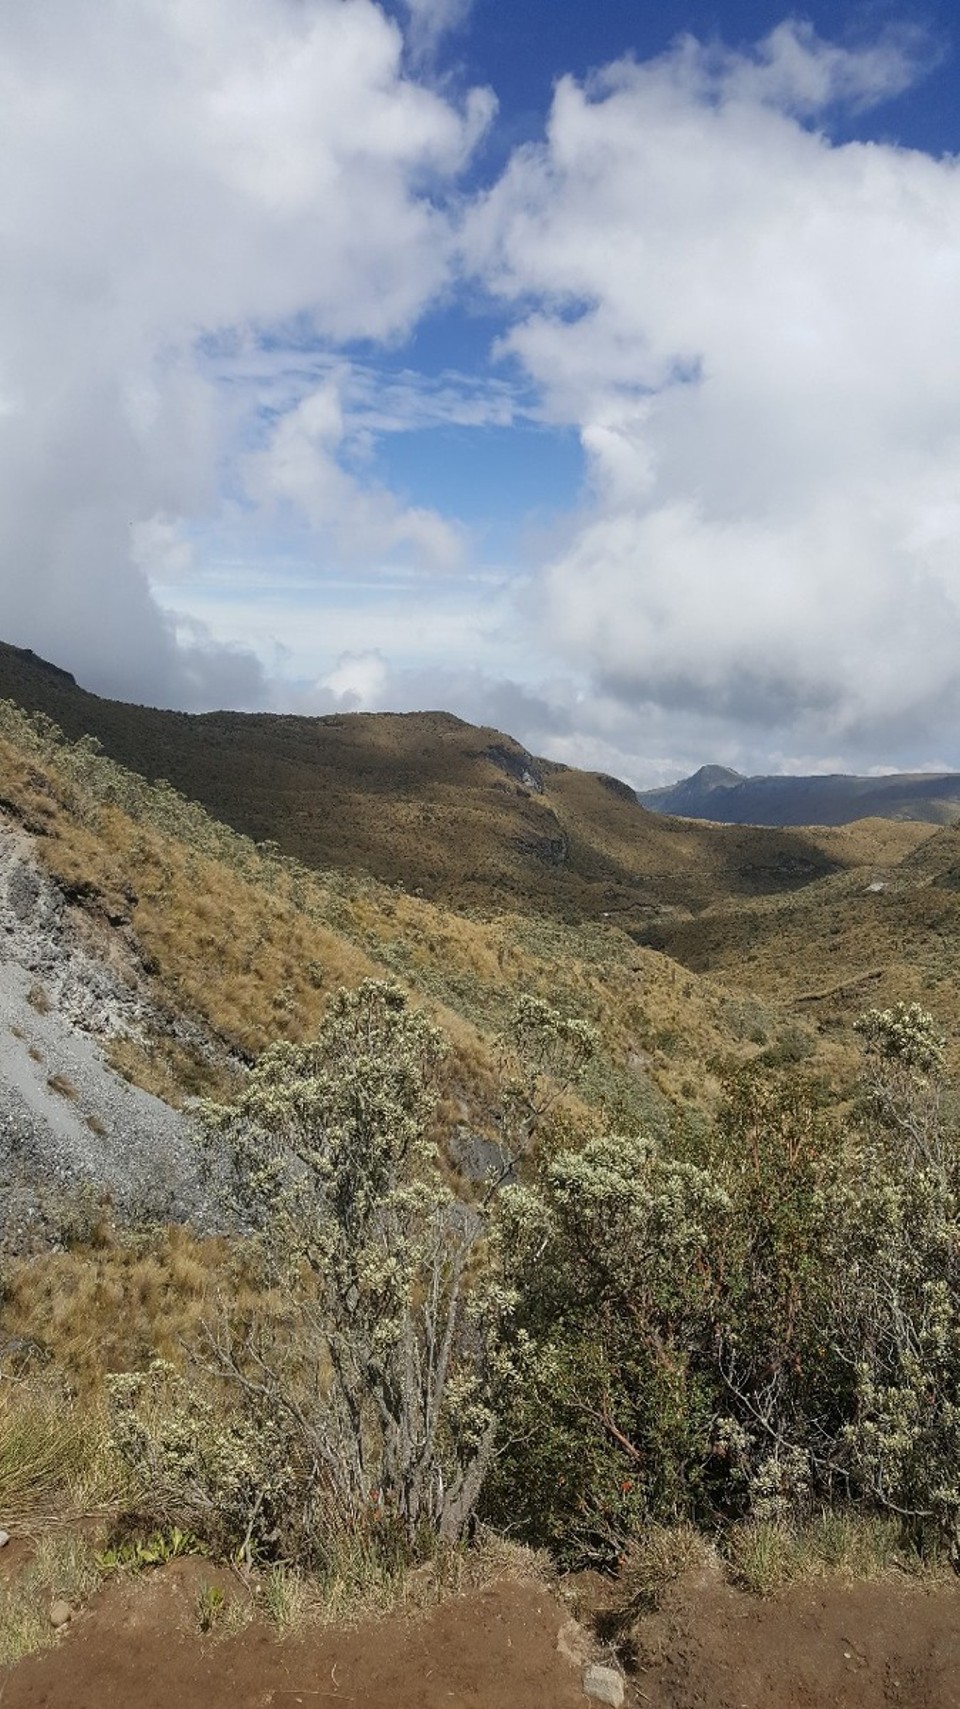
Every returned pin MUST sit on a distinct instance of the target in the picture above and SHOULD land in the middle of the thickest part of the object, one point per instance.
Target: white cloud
(430, 20)
(301, 467)
(357, 681)
(171, 170)
(754, 329)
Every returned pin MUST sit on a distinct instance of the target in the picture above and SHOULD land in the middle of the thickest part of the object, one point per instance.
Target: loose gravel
(68, 1121)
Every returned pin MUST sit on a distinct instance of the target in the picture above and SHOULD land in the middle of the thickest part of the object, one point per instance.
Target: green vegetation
(63, 1567)
(462, 816)
(704, 1290)
(738, 1340)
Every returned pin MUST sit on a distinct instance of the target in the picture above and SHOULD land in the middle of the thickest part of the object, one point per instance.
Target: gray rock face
(480, 1159)
(67, 1120)
(603, 1685)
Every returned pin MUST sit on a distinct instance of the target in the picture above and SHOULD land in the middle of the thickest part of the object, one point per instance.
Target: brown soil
(879, 1646)
(824, 1646)
(137, 1646)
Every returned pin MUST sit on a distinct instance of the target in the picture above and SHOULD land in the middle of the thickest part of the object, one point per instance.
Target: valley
(642, 1030)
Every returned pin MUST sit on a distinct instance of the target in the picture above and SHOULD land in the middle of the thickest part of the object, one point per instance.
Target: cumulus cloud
(430, 20)
(369, 681)
(754, 329)
(301, 468)
(169, 172)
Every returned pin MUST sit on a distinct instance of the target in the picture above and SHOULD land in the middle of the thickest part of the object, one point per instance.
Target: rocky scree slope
(68, 1121)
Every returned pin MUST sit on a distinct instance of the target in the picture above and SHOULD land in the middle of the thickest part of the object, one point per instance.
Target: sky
(590, 371)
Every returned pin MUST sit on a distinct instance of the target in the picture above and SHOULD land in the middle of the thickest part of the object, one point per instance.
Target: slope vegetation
(875, 934)
(461, 814)
(230, 945)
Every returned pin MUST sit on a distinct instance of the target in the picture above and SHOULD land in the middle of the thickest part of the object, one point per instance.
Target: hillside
(886, 932)
(458, 813)
(147, 944)
(137, 927)
(727, 798)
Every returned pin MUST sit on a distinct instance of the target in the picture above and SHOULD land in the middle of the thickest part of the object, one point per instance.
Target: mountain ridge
(726, 797)
(459, 812)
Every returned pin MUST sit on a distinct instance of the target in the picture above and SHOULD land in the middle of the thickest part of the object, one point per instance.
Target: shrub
(327, 1162)
(609, 1257)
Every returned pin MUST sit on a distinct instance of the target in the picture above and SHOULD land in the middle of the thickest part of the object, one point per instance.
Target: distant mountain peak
(726, 797)
(716, 777)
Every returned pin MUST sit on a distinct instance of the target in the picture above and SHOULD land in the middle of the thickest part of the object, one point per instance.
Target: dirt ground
(824, 1646)
(881, 1646)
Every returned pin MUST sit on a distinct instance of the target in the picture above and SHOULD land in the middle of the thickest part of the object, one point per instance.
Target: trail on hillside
(828, 1646)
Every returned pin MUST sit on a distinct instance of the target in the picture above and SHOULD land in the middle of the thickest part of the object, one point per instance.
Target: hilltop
(459, 813)
(727, 798)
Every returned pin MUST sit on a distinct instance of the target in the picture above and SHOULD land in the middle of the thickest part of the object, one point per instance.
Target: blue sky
(587, 371)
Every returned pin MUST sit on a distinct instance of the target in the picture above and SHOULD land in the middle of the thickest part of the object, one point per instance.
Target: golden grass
(439, 806)
(765, 1558)
(252, 947)
(116, 1305)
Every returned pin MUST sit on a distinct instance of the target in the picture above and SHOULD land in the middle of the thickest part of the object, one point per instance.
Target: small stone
(60, 1613)
(572, 1643)
(4, 1539)
(604, 1685)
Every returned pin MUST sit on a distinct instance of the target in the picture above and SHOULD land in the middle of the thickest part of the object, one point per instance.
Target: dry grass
(363, 1588)
(63, 1085)
(436, 805)
(54, 1461)
(115, 1305)
(63, 1567)
(252, 947)
(170, 1070)
(766, 1558)
(657, 1559)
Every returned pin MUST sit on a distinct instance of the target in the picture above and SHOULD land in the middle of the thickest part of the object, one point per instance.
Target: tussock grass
(362, 1587)
(115, 1304)
(765, 1558)
(62, 1567)
(656, 1559)
(55, 1464)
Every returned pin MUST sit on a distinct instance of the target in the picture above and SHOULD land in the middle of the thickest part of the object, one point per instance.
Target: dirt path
(137, 1647)
(884, 1646)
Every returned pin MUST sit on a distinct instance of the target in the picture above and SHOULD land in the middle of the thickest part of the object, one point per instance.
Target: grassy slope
(431, 803)
(868, 936)
(251, 944)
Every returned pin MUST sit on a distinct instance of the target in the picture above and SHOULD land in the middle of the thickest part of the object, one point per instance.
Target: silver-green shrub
(331, 1167)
